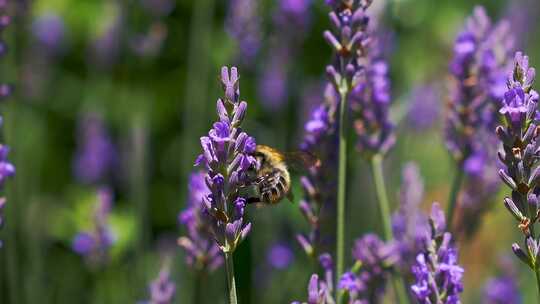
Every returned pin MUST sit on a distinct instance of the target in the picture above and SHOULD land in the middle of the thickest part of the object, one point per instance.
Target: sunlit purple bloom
(49, 31)
(520, 155)
(202, 253)
(280, 256)
(438, 277)
(94, 243)
(227, 156)
(162, 289)
(95, 157)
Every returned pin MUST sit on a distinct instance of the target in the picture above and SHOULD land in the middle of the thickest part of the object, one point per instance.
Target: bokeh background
(141, 77)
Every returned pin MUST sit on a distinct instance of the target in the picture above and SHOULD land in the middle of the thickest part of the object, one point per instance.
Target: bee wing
(302, 160)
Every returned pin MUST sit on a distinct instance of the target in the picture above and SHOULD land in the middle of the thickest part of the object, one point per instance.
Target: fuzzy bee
(272, 178)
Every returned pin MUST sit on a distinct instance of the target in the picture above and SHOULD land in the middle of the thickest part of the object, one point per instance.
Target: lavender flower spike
(227, 157)
(202, 253)
(95, 243)
(482, 53)
(521, 157)
(437, 273)
(162, 289)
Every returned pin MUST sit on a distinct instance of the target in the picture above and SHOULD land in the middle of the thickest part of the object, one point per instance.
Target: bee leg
(254, 200)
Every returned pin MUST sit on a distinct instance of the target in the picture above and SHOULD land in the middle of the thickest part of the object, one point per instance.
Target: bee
(272, 178)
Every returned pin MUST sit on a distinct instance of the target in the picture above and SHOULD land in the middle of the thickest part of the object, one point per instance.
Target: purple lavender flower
(501, 290)
(320, 139)
(520, 155)
(227, 156)
(481, 57)
(364, 283)
(280, 256)
(95, 243)
(202, 253)
(409, 223)
(438, 275)
(376, 259)
(162, 289)
(360, 73)
(424, 107)
(5, 21)
(243, 25)
(49, 32)
(320, 290)
(96, 155)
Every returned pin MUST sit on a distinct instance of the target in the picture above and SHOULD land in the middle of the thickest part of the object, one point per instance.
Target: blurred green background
(157, 96)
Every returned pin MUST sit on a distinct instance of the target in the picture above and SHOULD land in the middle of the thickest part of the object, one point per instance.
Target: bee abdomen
(273, 187)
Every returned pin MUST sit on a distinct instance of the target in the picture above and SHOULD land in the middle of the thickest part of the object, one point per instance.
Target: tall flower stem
(382, 198)
(342, 181)
(384, 214)
(537, 272)
(453, 195)
(231, 283)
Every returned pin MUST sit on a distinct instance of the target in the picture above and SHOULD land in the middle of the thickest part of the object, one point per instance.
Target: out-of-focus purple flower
(424, 107)
(438, 276)
(6, 168)
(49, 31)
(409, 223)
(290, 22)
(520, 155)
(202, 253)
(106, 45)
(227, 157)
(95, 157)
(482, 53)
(149, 44)
(162, 289)
(158, 8)
(243, 25)
(280, 256)
(501, 290)
(273, 82)
(94, 243)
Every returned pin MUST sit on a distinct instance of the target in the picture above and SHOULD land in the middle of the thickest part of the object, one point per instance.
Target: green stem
(452, 198)
(382, 198)
(198, 288)
(537, 273)
(384, 214)
(342, 181)
(231, 283)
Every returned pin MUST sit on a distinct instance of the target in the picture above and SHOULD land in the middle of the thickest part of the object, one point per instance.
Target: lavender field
(269, 151)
